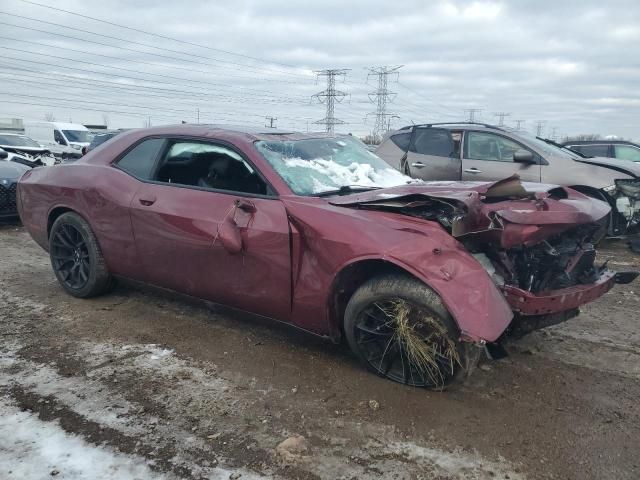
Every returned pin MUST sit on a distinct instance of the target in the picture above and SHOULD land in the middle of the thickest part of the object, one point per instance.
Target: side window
(627, 152)
(57, 136)
(594, 150)
(140, 161)
(402, 140)
(487, 146)
(207, 165)
(432, 141)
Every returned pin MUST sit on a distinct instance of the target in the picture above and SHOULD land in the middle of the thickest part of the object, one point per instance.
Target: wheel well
(613, 227)
(53, 216)
(348, 281)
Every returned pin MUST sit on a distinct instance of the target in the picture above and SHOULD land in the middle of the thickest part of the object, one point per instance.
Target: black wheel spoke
(70, 256)
(389, 335)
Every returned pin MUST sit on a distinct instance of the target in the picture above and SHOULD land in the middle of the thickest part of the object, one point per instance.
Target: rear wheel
(76, 257)
(399, 329)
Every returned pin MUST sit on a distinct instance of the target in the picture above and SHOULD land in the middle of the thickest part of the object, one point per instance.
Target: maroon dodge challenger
(318, 232)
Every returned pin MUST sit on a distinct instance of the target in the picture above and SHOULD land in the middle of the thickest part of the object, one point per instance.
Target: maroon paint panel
(179, 246)
(334, 238)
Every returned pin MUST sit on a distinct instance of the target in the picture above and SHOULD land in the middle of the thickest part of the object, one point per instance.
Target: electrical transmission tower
(539, 128)
(472, 113)
(381, 97)
(330, 96)
(271, 122)
(554, 135)
(519, 123)
(501, 116)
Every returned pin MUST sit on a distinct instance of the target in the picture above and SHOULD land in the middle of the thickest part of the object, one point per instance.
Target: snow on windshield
(314, 166)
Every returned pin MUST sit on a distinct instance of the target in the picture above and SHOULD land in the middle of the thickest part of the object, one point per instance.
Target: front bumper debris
(554, 301)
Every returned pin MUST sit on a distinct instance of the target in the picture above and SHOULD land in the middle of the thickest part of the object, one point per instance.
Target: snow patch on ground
(31, 449)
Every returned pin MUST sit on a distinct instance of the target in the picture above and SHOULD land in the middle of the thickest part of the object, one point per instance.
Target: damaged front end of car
(534, 241)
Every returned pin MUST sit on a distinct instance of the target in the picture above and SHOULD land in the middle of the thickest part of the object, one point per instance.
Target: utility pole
(381, 96)
(501, 116)
(272, 122)
(539, 128)
(472, 113)
(330, 96)
(519, 123)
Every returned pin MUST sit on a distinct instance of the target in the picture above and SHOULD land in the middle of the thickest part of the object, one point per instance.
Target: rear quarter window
(140, 160)
(402, 140)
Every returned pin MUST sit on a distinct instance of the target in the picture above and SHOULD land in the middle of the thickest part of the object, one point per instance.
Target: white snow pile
(325, 175)
(32, 449)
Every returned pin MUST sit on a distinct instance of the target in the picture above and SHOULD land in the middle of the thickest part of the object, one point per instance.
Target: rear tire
(399, 328)
(76, 257)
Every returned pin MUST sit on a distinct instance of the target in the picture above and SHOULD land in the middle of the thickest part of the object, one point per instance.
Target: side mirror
(3, 154)
(523, 156)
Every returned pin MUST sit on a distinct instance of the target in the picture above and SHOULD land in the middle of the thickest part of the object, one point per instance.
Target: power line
(158, 35)
(381, 97)
(235, 66)
(330, 96)
(245, 91)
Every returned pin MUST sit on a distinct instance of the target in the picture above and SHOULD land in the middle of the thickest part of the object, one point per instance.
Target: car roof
(456, 125)
(243, 132)
(601, 142)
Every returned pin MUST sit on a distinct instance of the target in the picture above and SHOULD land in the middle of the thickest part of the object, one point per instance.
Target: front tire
(76, 257)
(400, 330)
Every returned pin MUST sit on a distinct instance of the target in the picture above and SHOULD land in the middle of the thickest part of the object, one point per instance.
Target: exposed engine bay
(627, 197)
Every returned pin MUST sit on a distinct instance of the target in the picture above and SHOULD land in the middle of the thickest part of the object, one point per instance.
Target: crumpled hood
(623, 166)
(508, 211)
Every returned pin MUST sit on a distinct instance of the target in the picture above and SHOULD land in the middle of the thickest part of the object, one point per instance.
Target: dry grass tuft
(425, 340)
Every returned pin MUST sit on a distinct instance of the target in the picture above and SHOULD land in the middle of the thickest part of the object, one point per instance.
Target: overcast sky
(573, 64)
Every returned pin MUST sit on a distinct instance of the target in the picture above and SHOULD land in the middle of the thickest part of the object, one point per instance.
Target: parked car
(620, 149)
(471, 151)
(318, 232)
(64, 140)
(10, 172)
(98, 139)
(22, 149)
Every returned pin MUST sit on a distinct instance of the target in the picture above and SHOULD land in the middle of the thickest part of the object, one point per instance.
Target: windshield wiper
(564, 147)
(345, 190)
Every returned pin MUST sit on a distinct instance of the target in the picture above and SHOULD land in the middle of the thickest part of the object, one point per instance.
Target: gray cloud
(573, 64)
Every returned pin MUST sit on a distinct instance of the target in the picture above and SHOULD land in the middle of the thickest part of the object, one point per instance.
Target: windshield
(78, 136)
(314, 166)
(547, 148)
(17, 141)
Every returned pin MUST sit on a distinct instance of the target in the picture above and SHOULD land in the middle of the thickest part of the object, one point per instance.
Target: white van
(62, 139)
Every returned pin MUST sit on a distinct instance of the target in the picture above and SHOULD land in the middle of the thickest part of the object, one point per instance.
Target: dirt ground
(193, 391)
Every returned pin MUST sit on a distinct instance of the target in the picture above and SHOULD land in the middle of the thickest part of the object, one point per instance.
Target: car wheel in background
(76, 257)
(400, 329)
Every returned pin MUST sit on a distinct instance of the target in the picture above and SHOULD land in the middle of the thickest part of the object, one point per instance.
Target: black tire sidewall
(98, 276)
(387, 287)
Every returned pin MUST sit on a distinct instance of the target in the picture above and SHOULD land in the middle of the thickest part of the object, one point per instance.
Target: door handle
(245, 206)
(472, 170)
(147, 201)
(418, 165)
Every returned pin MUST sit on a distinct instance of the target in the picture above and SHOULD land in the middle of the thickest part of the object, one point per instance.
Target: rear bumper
(555, 301)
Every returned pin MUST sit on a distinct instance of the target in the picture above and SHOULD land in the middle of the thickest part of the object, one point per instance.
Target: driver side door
(182, 231)
(489, 156)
